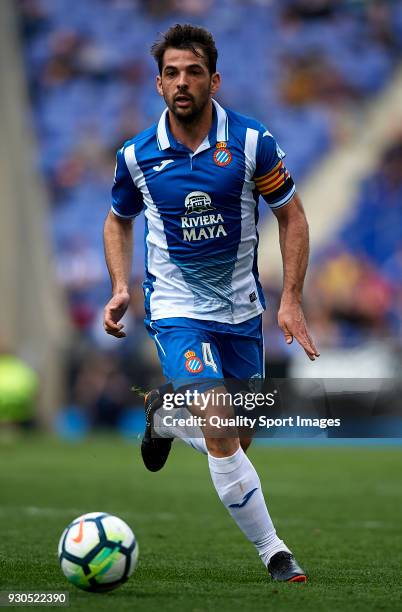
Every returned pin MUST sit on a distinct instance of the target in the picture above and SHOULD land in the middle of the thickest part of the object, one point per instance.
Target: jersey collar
(218, 132)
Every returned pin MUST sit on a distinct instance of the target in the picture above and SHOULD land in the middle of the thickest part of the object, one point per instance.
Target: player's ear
(215, 82)
(159, 85)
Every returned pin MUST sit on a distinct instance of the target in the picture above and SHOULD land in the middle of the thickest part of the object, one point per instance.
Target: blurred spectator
(352, 295)
(379, 201)
(102, 390)
(305, 10)
(33, 19)
(158, 9)
(192, 8)
(392, 270)
(61, 65)
(382, 27)
(391, 165)
(313, 79)
(78, 266)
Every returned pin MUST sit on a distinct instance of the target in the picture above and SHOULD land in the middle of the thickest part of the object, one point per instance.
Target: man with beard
(198, 174)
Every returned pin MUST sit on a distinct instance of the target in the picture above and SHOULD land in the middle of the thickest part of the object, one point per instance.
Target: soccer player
(197, 174)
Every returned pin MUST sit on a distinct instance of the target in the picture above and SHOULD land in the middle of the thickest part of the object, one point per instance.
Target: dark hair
(186, 37)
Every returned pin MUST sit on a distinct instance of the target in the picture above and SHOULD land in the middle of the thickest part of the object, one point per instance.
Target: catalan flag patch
(276, 186)
(273, 180)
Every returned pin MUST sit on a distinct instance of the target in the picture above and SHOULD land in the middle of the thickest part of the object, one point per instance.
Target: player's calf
(222, 447)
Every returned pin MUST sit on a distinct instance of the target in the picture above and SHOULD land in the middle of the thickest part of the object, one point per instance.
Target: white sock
(239, 488)
(191, 435)
(198, 443)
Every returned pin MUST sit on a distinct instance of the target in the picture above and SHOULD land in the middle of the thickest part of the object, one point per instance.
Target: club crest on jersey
(193, 363)
(198, 202)
(222, 155)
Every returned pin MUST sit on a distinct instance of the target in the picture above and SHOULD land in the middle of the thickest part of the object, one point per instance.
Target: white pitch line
(35, 511)
(370, 524)
(71, 513)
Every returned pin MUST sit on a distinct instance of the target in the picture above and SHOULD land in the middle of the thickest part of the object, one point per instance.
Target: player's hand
(114, 311)
(293, 324)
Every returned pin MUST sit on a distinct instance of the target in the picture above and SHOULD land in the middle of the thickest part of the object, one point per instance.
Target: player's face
(186, 84)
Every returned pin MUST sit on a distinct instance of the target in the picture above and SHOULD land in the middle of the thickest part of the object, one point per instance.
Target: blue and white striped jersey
(201, 213)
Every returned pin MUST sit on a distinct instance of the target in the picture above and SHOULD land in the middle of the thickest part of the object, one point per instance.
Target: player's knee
(222, 447)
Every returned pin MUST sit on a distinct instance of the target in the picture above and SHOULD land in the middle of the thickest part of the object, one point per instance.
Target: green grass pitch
(338, 508)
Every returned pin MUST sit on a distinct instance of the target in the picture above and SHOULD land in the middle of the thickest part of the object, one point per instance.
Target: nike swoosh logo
(245, 499)
(163, 165)
(80, 535)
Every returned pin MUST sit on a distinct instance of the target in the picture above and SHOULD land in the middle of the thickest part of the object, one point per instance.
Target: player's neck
(191, 135)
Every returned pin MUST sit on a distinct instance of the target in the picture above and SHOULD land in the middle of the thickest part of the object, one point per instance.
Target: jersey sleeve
(271, 177)
(127, 200)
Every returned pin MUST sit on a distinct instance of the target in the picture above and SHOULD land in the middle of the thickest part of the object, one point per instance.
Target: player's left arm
(275, 184)
(294, 244)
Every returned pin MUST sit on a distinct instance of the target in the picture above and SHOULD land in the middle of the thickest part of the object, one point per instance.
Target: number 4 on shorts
(207, 356)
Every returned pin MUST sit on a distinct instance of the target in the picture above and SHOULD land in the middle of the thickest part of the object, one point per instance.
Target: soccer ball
(98, 552)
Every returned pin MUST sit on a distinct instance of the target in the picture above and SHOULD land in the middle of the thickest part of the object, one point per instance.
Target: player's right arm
(127, 203)
(118, 242)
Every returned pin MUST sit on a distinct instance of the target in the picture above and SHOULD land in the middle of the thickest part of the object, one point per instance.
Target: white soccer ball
(98, 552)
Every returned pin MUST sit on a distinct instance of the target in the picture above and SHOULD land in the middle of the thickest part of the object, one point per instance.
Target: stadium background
(77, 80)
